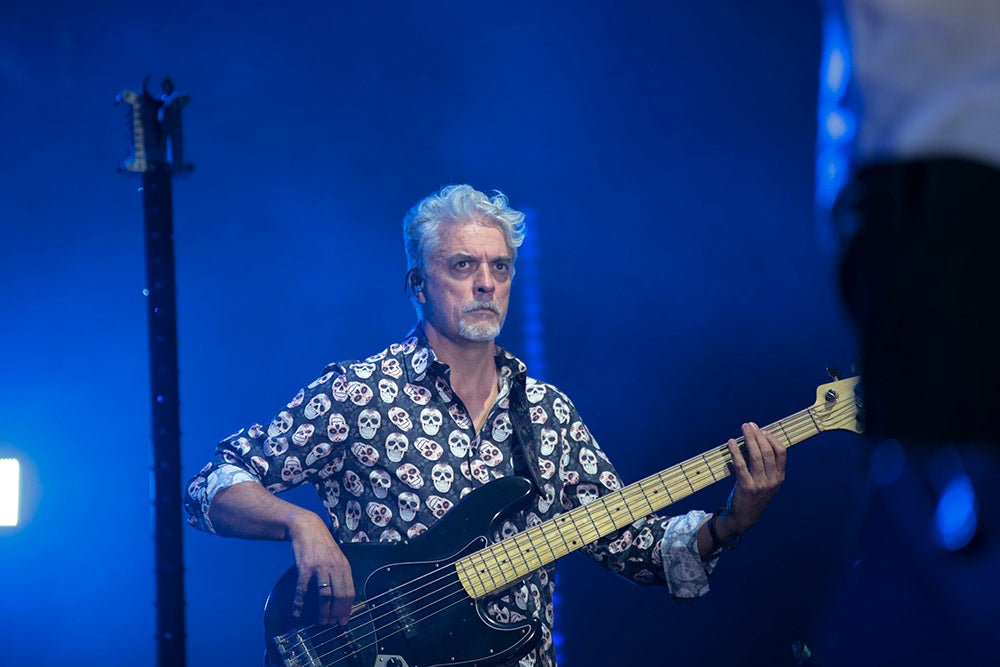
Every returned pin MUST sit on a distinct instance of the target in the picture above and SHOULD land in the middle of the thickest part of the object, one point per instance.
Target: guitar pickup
(404, 620)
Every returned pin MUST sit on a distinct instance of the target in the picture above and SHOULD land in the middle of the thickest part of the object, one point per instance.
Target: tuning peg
(833, 371)
(856, 368)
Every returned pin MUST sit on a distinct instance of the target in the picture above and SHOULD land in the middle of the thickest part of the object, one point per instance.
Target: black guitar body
(410, 609)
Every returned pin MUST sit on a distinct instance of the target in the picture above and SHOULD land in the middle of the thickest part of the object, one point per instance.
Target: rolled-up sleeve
(202, 489)
(685, 571)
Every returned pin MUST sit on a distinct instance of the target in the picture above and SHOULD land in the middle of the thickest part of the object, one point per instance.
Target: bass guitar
(418, 601)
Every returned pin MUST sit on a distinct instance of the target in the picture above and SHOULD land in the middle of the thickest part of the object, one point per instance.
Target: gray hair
(461, 204)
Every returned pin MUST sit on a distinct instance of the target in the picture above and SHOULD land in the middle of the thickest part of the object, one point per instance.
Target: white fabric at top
(924, 78)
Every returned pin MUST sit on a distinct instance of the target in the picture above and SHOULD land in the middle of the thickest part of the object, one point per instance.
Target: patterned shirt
(390, 449)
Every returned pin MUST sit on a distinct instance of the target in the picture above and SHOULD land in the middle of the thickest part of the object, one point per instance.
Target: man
(393, 442)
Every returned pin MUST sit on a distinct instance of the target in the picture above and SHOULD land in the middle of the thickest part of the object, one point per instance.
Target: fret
(788, 440)
(679, 485)
(587, 528)
(508, 561)
(589, 515)
(464, 567)
(815, 425)
(660, 479)
(641, 502)
(483, 567)
(614, 499)
(506, 545)
(687, 477)
(708, 465)
(540, 530)
(557, 528)
(528, 536)
(573, 521)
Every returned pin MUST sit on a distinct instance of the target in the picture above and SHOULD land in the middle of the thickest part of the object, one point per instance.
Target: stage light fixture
(10, 491)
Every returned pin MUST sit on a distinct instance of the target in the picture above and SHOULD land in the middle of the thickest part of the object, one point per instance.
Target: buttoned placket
(435, 367)
(476, 437)
(475, 451)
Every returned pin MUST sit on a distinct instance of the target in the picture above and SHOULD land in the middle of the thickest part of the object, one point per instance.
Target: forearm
(248, 510)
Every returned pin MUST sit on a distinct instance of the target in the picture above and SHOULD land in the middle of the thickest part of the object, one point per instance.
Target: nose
(484, 284)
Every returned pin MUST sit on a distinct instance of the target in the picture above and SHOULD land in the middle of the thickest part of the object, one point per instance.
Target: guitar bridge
(297, 650)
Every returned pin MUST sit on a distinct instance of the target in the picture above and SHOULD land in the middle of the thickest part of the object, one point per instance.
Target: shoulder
(539, 391)
(380, 377)
(545, 394)
(387, 363)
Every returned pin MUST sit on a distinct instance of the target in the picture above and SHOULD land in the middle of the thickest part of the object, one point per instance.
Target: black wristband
(718, 544)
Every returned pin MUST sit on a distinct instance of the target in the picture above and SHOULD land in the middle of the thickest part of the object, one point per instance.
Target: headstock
(838, 406)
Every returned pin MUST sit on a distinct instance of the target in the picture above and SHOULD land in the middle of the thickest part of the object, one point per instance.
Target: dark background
(665, 153)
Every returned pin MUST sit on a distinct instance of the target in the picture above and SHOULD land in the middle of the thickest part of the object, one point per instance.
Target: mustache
(482, 305)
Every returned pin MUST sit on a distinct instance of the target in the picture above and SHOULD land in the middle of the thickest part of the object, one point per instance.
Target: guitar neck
(495, 567)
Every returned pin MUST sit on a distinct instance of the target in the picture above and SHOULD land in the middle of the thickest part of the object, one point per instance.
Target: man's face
(467, 283)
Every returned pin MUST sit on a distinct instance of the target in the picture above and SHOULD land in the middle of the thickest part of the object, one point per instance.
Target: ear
(415, 282)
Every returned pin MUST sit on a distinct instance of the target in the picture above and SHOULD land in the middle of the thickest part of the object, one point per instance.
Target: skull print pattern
(390, 449)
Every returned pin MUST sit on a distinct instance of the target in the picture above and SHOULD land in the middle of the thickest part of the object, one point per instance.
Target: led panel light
(10, 491)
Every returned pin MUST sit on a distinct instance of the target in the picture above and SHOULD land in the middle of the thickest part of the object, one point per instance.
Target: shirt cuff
(685, 571)
(221, 478)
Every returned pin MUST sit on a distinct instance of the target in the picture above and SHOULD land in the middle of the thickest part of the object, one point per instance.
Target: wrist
(724, 530)
(300, 522)
(727, 525)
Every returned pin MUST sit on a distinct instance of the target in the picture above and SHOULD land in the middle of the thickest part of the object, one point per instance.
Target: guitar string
(718, 460)
(361, 649)
(673, 478)
(718, 467)
(721, 461)
(719, 455)
(717, 463)
(447, 574)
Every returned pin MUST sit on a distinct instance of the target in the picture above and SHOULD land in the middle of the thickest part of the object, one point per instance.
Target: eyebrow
(458, 256)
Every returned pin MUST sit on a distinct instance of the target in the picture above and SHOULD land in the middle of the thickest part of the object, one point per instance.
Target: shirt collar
(418, 359)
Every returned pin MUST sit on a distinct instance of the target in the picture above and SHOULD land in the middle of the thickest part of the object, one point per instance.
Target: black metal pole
(154, 125)
(161, 312)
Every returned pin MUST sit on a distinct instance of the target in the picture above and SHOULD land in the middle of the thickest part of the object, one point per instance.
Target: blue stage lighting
(956, 517)
(528, 271)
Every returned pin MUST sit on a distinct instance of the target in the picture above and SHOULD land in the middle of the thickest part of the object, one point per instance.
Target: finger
(341, 610)
(739, 463)
(343, 589)
(765, 444)
(300, 593)
(756, 460)
(780, 453)
(772, 457)
(325, 603)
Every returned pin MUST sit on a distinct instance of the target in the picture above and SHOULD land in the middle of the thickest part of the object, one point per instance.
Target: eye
(501, 269)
